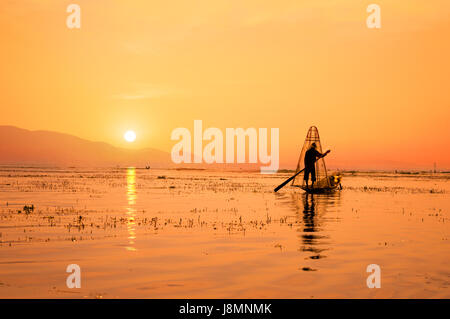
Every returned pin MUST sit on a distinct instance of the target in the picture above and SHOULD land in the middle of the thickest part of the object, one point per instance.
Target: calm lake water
(205, 234)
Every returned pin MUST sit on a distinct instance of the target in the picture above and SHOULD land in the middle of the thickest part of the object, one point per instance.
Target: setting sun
(129, 136)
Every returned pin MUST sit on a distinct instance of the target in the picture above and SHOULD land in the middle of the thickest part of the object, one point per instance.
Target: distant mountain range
(44, 148)
(24, 147)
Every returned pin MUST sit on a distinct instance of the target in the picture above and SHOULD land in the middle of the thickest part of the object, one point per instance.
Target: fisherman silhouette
(311, 156)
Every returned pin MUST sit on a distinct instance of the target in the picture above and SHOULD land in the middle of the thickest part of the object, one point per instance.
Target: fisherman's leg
(306, 177)
(313, 177)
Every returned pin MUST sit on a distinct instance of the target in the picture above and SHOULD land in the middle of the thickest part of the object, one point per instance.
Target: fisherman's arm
(320, 155)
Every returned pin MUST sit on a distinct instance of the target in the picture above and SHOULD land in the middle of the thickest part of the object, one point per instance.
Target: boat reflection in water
(312, 215)
(131, 209)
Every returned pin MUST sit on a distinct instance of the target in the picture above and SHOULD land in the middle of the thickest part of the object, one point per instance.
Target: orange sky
(380, 98)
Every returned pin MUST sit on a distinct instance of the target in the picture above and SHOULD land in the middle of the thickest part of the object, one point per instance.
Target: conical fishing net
(322, 180)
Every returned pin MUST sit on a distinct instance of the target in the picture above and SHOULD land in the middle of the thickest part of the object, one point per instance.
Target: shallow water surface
(206, 234)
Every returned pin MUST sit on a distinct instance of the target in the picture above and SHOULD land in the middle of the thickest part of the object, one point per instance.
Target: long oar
(292, 177)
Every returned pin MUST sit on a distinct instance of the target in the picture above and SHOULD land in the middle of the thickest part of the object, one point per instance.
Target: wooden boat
(333, 184)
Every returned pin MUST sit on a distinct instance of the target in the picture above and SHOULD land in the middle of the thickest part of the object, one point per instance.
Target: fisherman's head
(313, 145)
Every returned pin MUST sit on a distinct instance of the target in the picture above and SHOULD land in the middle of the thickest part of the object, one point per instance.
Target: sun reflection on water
(131, 210)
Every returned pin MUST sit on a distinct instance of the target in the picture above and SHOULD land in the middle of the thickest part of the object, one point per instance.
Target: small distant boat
(147, 167)
(326, 183)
